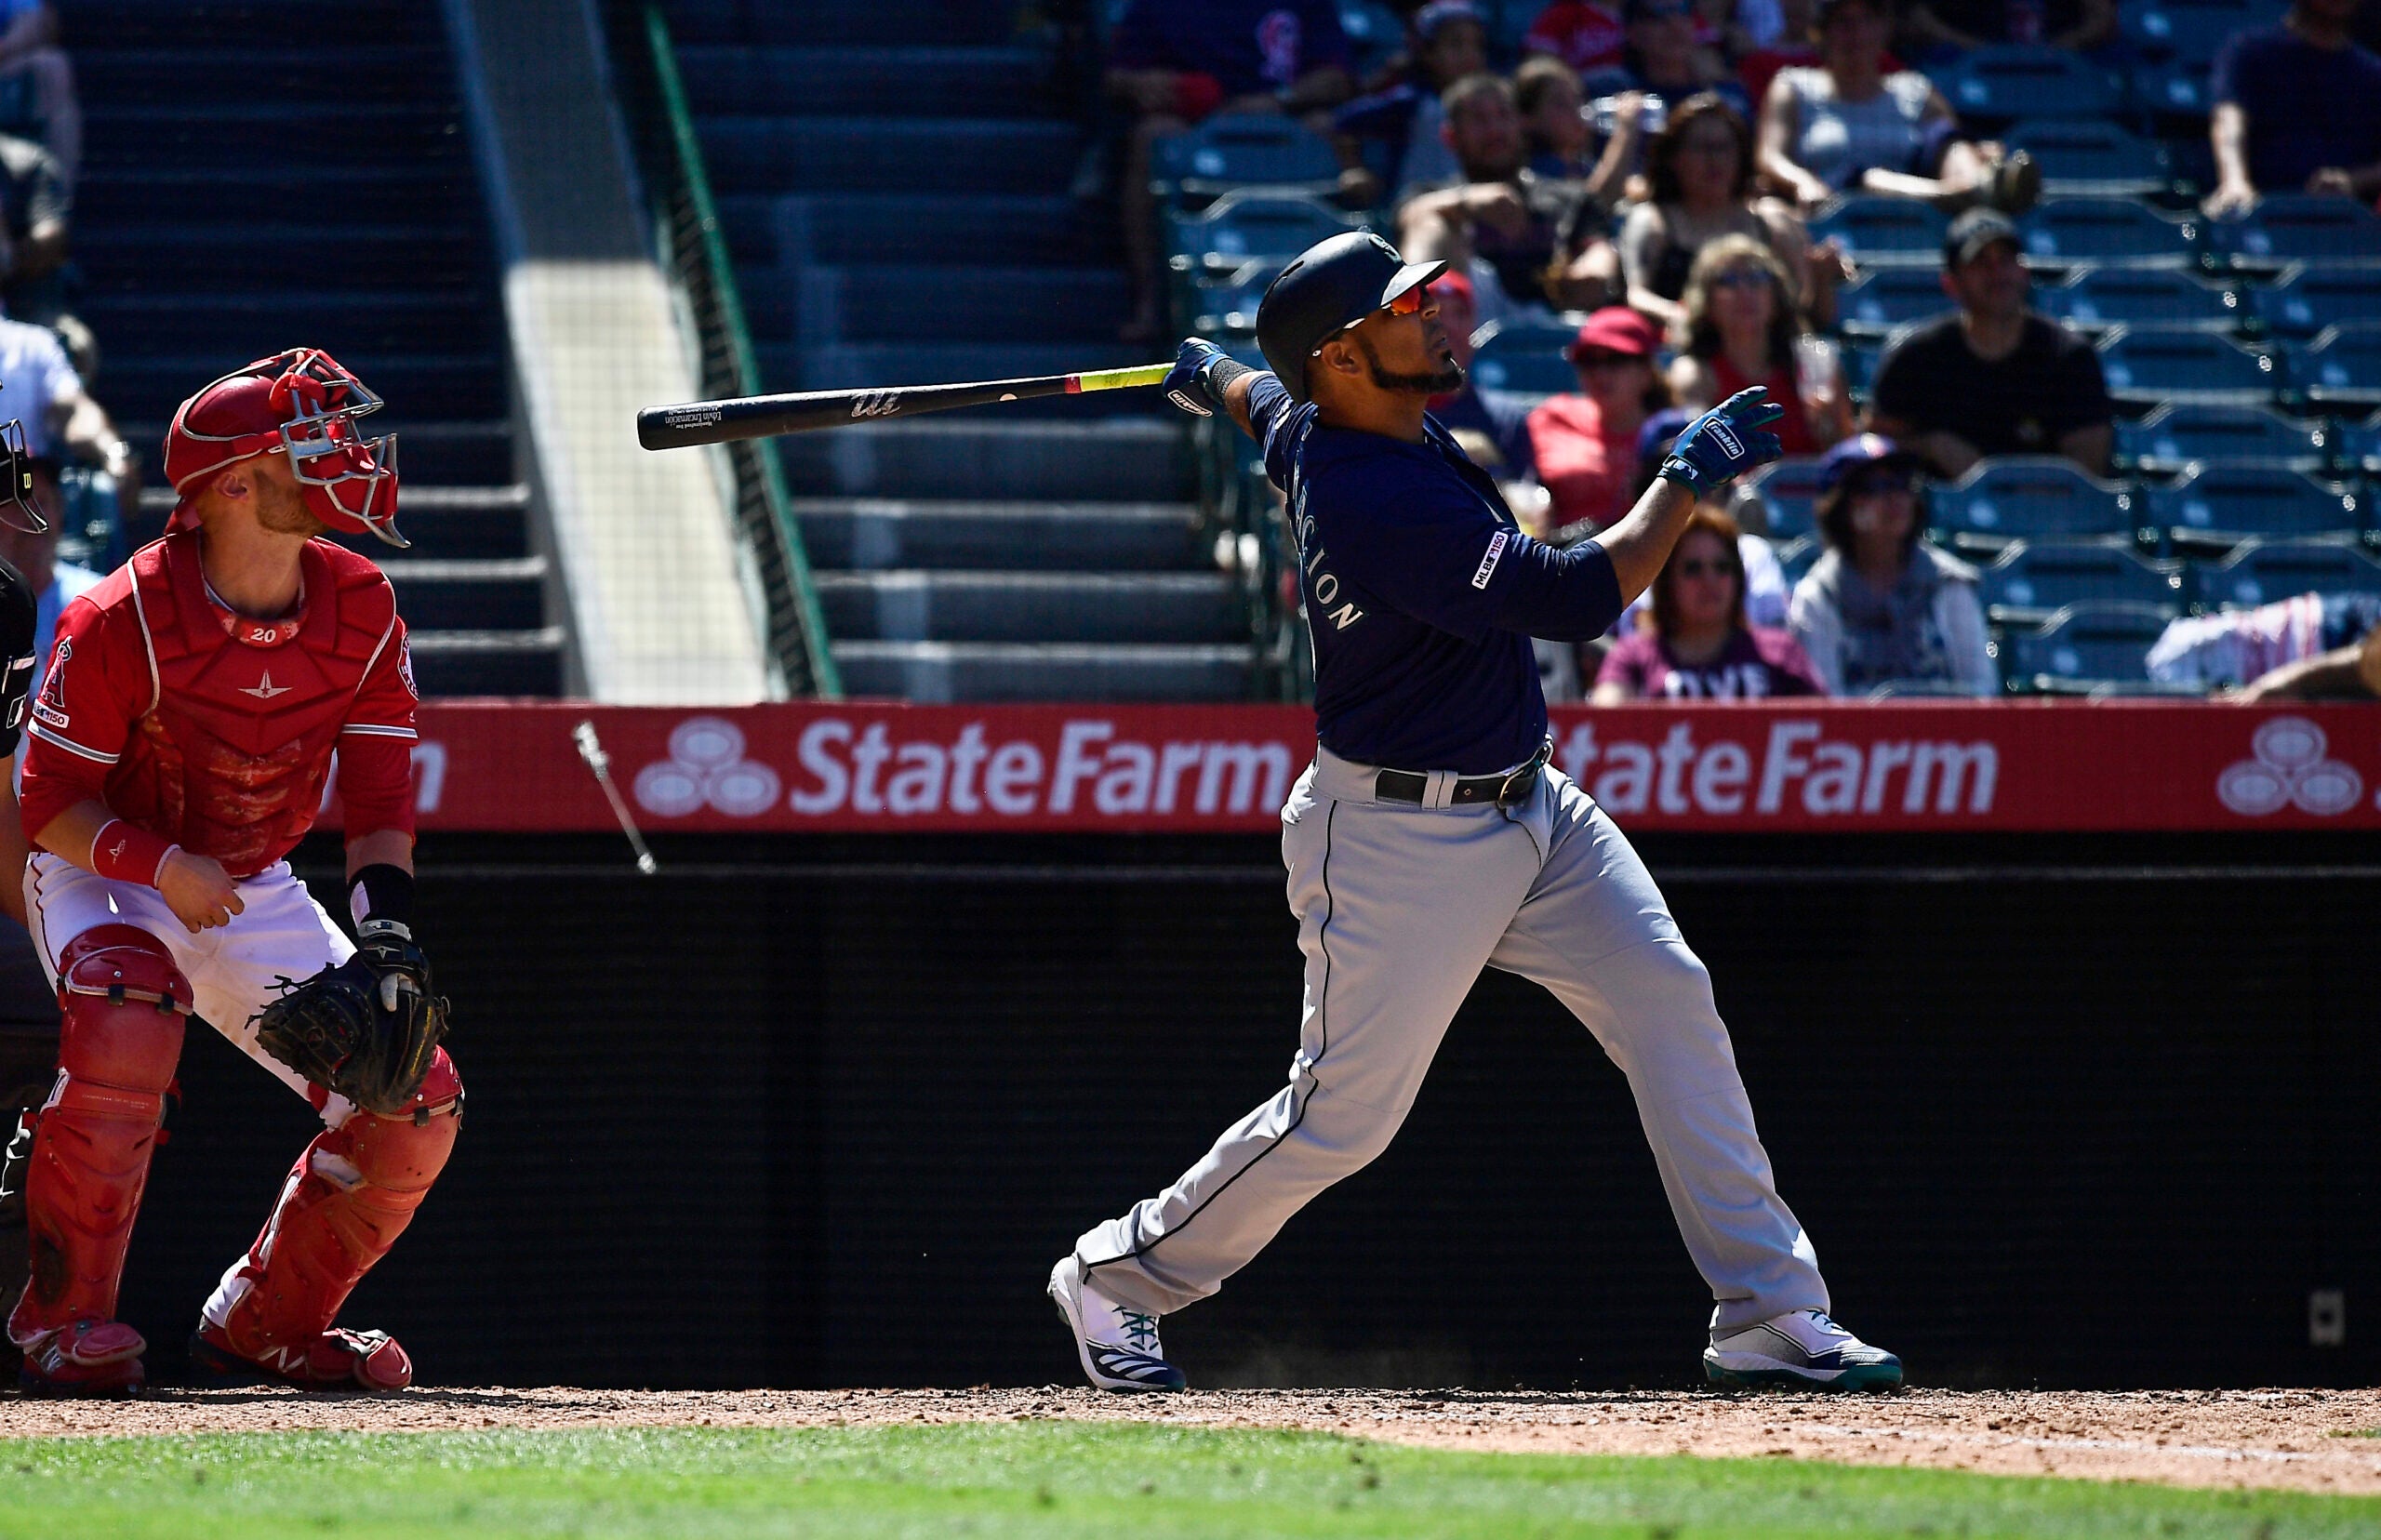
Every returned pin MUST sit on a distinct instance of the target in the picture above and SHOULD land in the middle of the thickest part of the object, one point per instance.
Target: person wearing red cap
(1586, 445)
(180, 747)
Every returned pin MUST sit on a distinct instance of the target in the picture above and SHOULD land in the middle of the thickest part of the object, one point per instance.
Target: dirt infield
(2310, 1440)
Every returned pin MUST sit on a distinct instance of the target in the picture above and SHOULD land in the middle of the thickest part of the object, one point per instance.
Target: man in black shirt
(1993, 377)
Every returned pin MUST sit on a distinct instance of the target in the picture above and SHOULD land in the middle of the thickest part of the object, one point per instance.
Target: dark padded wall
(807, 1116)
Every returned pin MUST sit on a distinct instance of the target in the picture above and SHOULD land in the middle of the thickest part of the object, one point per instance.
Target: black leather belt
(1505, 790)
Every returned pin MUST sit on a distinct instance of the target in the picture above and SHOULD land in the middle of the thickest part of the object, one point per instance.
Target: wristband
(1216, 375)
(123, 854)
(381, 892)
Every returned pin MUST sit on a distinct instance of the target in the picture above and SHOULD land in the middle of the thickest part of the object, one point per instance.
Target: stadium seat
(2027, 583)
(2360, 443)
(1795, 558)
(1240, 227)
(2306, 299)
(1996, 84)
(2219, 505)
(2173, 96)
(2083, 646)
(2263, 571)
(1525, 358)
(2030, 498)
(2107, 232)
(2189, 32)
(2296, 227)
(2146, 366)
(2094, 159)
(2096, 298)
(1786, 489)
(1243, 151)
(1889, 298)
(2171, 438)
(1228, 305)
(2341, 369)
(1883, 232)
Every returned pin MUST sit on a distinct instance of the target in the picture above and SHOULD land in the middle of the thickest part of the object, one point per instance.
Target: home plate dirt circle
(2306, 1440)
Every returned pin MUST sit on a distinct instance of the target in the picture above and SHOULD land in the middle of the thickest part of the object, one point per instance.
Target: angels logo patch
(51, 707)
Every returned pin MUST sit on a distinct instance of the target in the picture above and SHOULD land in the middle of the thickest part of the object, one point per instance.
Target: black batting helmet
(1332, 286)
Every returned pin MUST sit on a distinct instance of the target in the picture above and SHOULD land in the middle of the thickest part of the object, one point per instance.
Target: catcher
(181, 743)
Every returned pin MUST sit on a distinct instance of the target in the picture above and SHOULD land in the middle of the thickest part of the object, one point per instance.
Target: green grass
(1040, 1479)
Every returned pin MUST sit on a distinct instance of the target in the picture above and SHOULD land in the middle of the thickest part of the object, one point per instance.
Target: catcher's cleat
(83, 1358)
(1799, 1350)
(1118, 1347)
(338, 1359)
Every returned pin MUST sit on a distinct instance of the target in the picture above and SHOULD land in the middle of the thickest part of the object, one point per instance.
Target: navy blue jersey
(1422, 593)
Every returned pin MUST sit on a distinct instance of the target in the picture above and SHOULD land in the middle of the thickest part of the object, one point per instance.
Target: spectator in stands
(1561, 142)
(37, 83)
(1588, 37)
(1526, 240)
(1939, 31)
(1693, 642)
(1993, 377)
(1766, 590)
(1700, 170)
(1586, 445)
(2297, 108)
(40, 386)
(1846, 124)
(1664, 63)
(1173, 62)
(1392, 138)
(54, 582)
(34, 204)
(1494, 432)
(1882, 605)
(1741, 330)
(2310, 647)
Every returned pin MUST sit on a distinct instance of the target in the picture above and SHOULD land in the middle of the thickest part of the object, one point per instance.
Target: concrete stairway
(269, 174)
(899, 213)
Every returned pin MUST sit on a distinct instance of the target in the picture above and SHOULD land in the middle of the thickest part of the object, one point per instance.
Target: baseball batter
(179, 748)
(1431, 837)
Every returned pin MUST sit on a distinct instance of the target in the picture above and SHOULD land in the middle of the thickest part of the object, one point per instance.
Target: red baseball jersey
(215, 731)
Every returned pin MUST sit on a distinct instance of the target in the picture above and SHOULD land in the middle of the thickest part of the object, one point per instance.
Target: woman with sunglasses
(1693, 642)
(1586, 445)
(1701, 176)
(1881, 607)
(1742, 329)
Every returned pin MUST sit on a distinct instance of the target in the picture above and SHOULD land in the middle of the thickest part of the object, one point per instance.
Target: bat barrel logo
(875, 403)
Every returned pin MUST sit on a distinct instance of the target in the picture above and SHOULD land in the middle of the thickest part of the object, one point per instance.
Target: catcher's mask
(303, 404)
(17, 509)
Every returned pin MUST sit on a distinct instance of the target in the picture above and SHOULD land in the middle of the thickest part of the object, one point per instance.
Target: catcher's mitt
(367, 1029)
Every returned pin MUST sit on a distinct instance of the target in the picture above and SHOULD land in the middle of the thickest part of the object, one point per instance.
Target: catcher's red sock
(346, 1201)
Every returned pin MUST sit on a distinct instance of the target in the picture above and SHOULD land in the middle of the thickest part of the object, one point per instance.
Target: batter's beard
(1445, 381)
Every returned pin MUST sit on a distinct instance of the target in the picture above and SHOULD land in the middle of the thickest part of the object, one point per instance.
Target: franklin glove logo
(1727, 439)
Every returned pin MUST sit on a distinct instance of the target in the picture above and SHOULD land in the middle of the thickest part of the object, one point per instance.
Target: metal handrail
(697, 252)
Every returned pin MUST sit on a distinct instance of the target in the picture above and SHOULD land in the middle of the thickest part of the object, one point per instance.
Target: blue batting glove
(1191, 383)
(1727, 440)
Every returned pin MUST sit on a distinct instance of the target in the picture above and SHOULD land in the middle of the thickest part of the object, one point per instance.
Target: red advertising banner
(1781, 766)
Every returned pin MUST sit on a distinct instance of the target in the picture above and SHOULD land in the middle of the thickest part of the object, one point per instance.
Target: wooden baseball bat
(695, 422)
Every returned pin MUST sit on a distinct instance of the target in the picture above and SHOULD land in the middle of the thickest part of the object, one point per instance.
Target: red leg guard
(347, 1200)
(123, 1001)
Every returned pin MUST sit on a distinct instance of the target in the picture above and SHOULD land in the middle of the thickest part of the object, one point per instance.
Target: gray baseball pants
(1399, 907)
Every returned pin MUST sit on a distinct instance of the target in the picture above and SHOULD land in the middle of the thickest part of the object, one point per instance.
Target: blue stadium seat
(2174, 96)
(2360, 443)
(2296, 227)
(1993, 86)
(2175, 436)
(1243, 151)
(2263, 571)
(2341, 369)
(2107, 232)
(2190, 31)
(2026, 583)
(2147, 366)
(1223, 305)
(1240, 226)
(2224, 504)
(2094, 159)
(2031, 498)
(1888, 297)
(2084, 646)
(2096, 298)
(2306, 299)
(1883, 232)
(1786, 489)
(1525, 359)
(1795, 558)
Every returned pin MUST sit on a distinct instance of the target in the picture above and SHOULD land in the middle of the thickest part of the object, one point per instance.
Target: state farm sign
(1750, 766)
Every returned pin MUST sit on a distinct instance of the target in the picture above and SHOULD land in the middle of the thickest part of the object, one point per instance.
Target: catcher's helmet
(301, 403)
(1332, 286)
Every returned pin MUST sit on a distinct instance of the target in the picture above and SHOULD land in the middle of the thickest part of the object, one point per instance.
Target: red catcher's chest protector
(230, 760)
